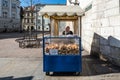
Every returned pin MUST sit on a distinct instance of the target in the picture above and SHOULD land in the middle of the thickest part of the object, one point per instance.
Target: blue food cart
(62, 54)
(59, 56)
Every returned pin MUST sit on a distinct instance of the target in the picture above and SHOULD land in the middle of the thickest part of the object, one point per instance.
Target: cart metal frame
(62, 63)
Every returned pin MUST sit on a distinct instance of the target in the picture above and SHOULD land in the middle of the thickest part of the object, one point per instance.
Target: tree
(21, 17)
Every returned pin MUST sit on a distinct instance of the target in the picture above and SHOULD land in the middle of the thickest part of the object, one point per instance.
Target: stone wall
(101, 29)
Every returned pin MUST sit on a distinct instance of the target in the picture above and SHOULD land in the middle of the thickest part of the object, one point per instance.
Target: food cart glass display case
(62, 54)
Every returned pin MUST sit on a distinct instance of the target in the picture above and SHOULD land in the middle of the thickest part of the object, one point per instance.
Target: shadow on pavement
(18, 34)
(65, 74)
(107, 48)
(92, 66)
(11, 35)
(21, 78)
(7, 78)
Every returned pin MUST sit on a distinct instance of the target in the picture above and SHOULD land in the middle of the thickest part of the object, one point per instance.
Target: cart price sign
(47, 40)
(77, 41)
(53, 51)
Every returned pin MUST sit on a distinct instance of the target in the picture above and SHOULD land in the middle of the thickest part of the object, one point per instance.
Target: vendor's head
(67, 29)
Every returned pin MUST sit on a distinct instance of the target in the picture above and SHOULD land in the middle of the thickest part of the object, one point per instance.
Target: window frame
(13, 6)
(5, 14)
(5, 3)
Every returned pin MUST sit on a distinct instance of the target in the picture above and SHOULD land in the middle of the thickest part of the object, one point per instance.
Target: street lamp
(75, 2)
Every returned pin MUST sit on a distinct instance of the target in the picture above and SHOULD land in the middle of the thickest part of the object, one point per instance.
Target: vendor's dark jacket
(70, 32)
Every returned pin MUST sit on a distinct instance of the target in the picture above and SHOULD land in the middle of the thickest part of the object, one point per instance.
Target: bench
(29, 41)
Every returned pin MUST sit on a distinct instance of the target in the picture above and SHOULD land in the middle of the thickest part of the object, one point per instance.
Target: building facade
(9, 15)
(32, 20)
(28, 22)
(38, 21)
(35, 22)
(101, 28)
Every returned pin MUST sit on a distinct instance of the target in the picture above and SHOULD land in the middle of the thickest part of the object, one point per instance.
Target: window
(31, 20)
(28, 14)
(28, 21)
(39, 21)
(5, 14)
(31, 14)
(13, 16)
(38, 27)
(5, 3)
(13, 26)
(13, 5)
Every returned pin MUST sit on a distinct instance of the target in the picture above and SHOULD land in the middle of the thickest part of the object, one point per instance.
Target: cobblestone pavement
(27, 64)
(32, 69)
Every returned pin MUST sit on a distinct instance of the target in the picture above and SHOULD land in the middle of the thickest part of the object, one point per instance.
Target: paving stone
(82, 78)
(39, 74)
(27, 64)
(50, 78)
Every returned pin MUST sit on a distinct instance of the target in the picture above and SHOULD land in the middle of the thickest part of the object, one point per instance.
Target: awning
(61, 10)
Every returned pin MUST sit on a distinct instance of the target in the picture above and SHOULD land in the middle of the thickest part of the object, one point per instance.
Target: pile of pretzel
(63, 48)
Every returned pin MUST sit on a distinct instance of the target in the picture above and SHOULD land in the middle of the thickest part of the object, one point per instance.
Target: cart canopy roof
(61, 10)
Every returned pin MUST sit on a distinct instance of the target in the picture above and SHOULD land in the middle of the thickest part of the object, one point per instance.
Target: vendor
(67, 31)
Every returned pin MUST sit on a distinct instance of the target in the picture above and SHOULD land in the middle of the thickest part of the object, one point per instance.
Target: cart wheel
(47, 73)
(77, 73)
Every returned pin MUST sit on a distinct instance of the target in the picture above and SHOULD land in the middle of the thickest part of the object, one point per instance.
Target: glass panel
(62, 46)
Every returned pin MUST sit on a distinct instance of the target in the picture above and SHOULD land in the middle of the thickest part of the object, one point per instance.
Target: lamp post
(5, 27)
(21, 17)
(31, 16)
